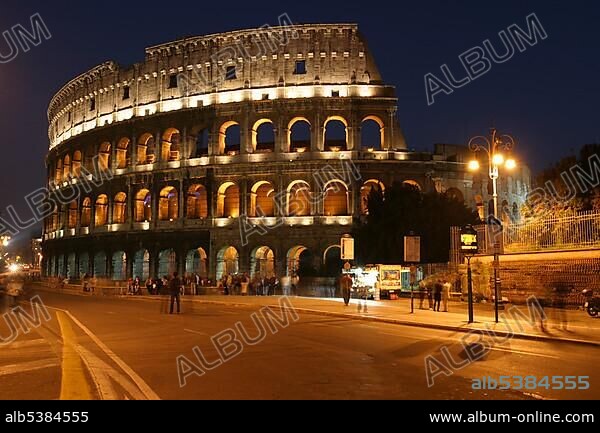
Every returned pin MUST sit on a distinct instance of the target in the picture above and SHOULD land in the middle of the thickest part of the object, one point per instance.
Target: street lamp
(494, 146)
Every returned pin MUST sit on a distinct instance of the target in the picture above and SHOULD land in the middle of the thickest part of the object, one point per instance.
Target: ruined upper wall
(227, 67)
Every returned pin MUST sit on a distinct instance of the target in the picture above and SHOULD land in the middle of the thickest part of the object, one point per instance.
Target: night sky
(547, 96)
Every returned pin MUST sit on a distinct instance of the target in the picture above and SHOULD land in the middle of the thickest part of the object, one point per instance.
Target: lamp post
(469, 248)
(494, 146)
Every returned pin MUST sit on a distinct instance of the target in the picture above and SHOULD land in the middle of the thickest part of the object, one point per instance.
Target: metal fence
(571, 232)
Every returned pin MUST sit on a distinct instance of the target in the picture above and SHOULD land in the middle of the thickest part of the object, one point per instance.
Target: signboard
(468, 241)
(412, 249)
(347, 246)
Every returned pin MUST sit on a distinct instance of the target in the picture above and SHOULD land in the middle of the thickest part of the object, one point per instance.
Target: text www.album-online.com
(535, 417)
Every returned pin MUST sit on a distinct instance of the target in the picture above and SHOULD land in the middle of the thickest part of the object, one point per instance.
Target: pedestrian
(86, 283)
(346, 287)
(422, 291)
(446, 295)
(437, 295)
(175, 289)
(244, 282)
(286, 283)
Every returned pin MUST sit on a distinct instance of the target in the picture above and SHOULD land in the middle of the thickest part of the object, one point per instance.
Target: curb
(463, 329)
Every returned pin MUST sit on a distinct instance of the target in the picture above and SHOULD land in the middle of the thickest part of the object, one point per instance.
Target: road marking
(102, 374)
(73, 384)
(195, 332)
(520, 352)
(143, 386)
(23, 367)
(25, 343)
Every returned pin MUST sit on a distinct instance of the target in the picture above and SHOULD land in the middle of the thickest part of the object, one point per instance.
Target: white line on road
(520, 352)
(25, 343)
(195, 332)
(6, 370)
(143, 386)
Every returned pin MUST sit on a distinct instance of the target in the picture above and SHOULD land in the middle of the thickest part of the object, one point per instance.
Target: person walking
(175, 289)
(437, 295)
(446, 295)
(244, 283)
(346, 287)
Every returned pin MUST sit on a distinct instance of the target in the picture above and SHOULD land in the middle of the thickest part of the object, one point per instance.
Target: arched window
(263, 136)
(412, 183)
(141, 264)
(167, 262)
(168, 205)
(201, 144)
(101, 211)
(455, 194)
(76, 166)
(197, 202)
(59, 172)
(372, 133)
(229, 138)
(262, 263)
(227, 262)
(196, 262)
(299, 200)
(335, 134)
(169, 149)
(335, 202)
(66, 167)
(86, 212)
(72, 217)
(143, 206)
(145, 149)
(228, 201)
(119, 266)
(368, 187)
(120, 208)
(123, 153)
(262, 200)
(104, 156)
(299, 133)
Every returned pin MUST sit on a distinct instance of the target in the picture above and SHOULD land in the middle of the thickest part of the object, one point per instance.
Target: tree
(404, 209)
(563, 191)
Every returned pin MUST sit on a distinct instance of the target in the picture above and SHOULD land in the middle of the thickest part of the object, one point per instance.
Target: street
(114, 348)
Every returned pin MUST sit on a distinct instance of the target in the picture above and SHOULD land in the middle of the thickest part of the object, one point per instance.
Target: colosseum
(243, 152)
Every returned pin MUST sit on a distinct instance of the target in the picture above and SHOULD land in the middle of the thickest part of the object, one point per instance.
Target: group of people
(243, 285)
(437, 296)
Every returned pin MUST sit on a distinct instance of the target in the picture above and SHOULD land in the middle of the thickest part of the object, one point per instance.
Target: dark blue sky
(547, 97)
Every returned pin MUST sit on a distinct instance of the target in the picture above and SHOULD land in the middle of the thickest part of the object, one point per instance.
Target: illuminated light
(371, 149)
(225, 97)
(300, 149)
(14, 267)
(474, 165)
(511, 164)
(335, 148)
(498, 159)
(172, 105)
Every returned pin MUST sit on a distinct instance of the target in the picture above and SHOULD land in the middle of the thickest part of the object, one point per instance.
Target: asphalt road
(107, 348)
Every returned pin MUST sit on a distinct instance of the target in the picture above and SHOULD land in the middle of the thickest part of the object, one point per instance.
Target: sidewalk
(573, 326)
(568, 326)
